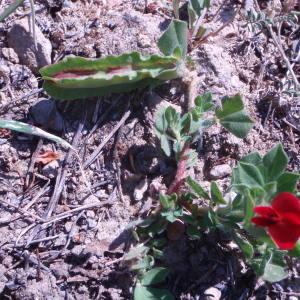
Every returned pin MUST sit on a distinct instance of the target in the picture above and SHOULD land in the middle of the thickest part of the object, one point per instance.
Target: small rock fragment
(212, 293)
(20, 38)
(140, 189)
(78, 250)
(92, 223)
(46, 115)
(10, 55)
(50, 170)
(220, 171)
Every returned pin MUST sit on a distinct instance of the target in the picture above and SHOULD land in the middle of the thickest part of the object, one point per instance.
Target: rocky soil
(62, 234)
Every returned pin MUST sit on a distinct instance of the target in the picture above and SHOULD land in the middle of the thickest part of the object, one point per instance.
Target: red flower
(282, 220)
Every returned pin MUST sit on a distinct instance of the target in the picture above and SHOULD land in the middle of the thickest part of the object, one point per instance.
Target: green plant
(255, 182)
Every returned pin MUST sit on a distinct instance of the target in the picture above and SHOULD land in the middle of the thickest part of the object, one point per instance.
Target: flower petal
(262, 221)
(287, 206)
(265, 211)
(284, 235)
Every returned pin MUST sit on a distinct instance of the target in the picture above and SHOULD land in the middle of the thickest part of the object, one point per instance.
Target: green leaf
(204, 102)
(244, 245)
(154, 276)
(249, 204)
(274, 273)
(197, 189)
(216, 194)
(270, 190)
(252, 158)
(143, 264)
(10, 9)
(147, 293)
(165, 145)
(176, 8)
(247, 175)
(136, 252)
(287, 182)
(195, 8)
(233, 117)
(30, 129)
(78, 77)
(275, 162)
(193, 232)
(168, 201)
(175, 37)
(296, 251)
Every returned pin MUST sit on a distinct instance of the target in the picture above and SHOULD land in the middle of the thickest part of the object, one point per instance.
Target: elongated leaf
(154, 276)
(216, 194)
(148, 293)
(233, 117)
(176, 8)
(244, 245)
(275, 162)
(30, 129)
(197, 189)
(175, 37)
(10, 9)
(78, 77)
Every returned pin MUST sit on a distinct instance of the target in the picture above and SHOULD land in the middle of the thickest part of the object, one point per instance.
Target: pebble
(50, 170)
(91, 223)
(77, 250)
(220, 171)
(45, 114)
(212, 293)
(21, 40)
(10, 55)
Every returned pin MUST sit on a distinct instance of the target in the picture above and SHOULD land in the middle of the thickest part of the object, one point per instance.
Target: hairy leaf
(174, 38)
(233, 117)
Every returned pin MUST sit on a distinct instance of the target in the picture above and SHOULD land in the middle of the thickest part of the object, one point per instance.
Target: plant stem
(286, 60)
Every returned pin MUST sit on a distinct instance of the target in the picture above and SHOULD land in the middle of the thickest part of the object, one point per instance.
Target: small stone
(5, 217)
(91, 223)
(50, 170)
(61, 240)
(46, 115)
(140, 189)
(144, 41)
(10, 55)
(78, 250)
(212, 293)
(90, 214)
(59, 270)
(220, 171)
(20, 38)
(68, 226)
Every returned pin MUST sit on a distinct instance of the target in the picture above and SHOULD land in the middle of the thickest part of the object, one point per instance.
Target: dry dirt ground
(60, 241)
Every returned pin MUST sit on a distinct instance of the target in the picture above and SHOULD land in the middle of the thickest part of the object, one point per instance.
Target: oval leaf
(154, 276)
